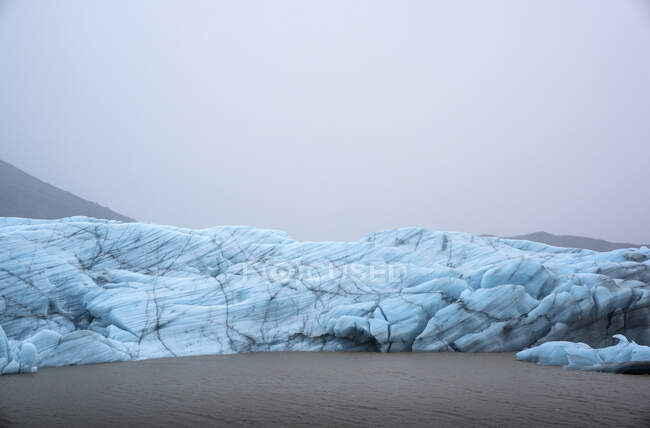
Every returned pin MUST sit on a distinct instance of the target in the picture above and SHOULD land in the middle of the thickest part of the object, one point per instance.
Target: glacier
(624, 357)
(81, 290)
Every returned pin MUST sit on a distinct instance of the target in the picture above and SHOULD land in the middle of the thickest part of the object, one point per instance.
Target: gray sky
(332, 119)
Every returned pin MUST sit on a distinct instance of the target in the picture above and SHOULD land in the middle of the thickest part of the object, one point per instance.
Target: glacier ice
(81, 290)
(623, 356)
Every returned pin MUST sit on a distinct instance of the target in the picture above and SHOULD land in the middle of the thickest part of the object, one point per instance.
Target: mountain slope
(22, 195)
(570, 241)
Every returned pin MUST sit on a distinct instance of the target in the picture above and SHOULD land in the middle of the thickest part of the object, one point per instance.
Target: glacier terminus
(81, 290)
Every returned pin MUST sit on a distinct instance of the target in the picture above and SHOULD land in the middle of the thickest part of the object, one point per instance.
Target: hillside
(22, 195)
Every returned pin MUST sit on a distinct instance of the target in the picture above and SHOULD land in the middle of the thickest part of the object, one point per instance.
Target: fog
(332, 119)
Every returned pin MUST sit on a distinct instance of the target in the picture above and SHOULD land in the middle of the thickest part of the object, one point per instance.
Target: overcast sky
(332, 119)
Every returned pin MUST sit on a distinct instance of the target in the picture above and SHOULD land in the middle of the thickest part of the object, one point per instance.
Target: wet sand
(327, 389)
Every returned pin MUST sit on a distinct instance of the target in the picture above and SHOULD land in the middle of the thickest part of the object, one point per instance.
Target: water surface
(324, 389)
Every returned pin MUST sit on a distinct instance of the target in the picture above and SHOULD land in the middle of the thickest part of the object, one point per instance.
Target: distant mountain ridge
(571, 241)
(23, 195)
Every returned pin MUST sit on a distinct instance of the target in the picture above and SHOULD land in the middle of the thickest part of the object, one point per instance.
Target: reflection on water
(324, 389)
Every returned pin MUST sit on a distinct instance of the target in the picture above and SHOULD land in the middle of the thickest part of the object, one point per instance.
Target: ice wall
(81, 290)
